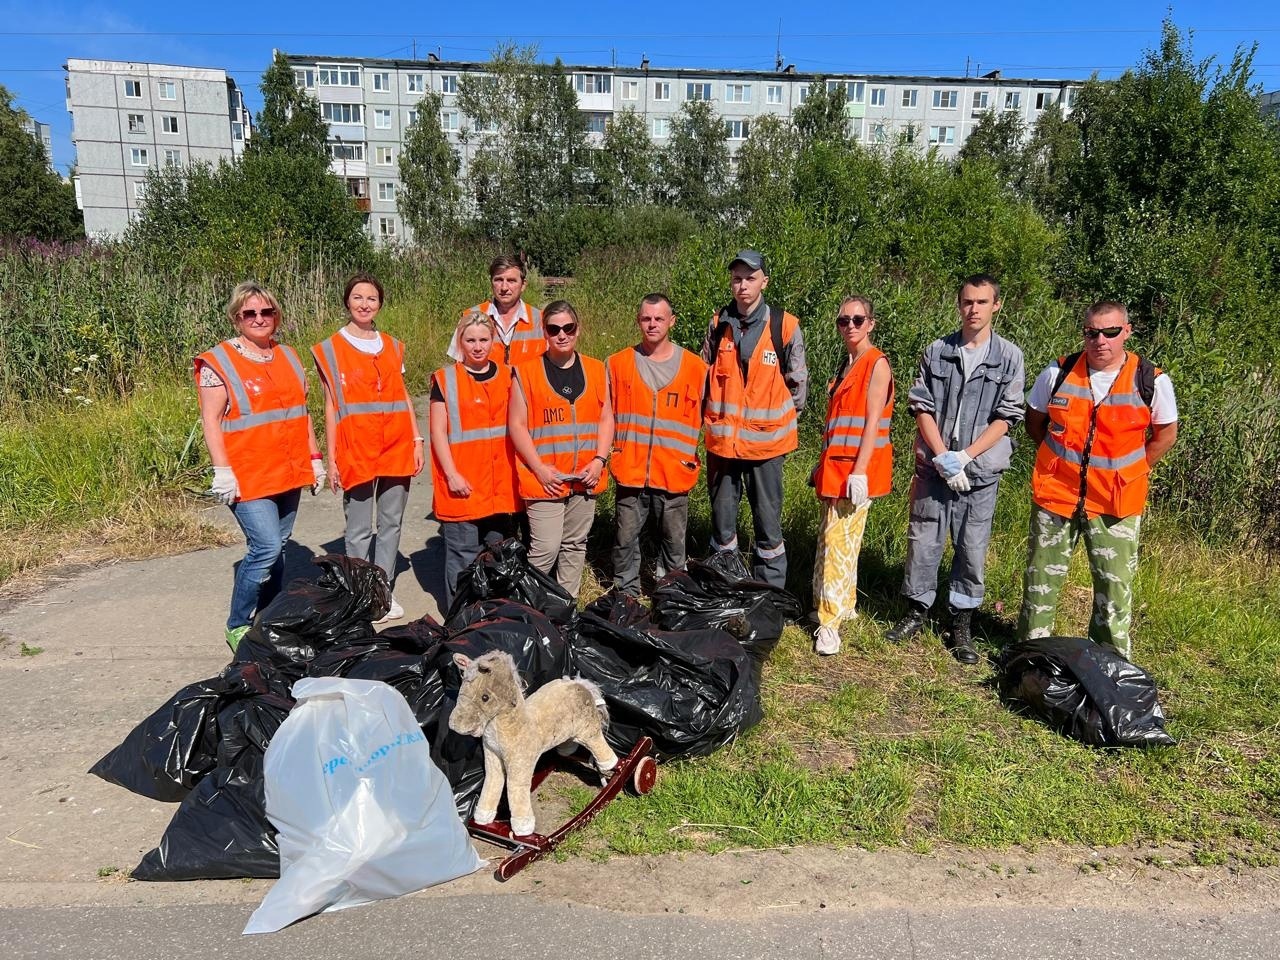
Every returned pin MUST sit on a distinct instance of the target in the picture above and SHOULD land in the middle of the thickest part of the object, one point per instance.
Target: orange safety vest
(527, 337)
(1094, 456)
(266, 429)
(655, 438)
(565, 435)
(847, 426)
(373, 419)
(755, 420)
(478, 442)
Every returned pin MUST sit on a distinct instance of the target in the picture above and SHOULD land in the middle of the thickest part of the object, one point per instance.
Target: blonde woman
(370, 428)
(472, 461)
(253, 406)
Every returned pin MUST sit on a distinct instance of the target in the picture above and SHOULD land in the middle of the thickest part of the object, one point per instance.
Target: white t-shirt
(1164, 406)
(504, 333)
(372, 347)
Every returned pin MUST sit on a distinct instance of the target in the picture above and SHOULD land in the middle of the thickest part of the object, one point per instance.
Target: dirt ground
(116, 641)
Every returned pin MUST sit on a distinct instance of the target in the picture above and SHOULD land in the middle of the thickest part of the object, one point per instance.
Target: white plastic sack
(362, 811)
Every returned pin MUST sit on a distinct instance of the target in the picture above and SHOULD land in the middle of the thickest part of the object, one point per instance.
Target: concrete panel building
(43, 136)
(369, 103)
(129, 118)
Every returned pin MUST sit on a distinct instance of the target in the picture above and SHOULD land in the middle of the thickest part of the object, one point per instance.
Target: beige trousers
(558, 531)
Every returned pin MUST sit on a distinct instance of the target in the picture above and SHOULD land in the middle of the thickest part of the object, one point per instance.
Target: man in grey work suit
(966, 399)
(756, 389)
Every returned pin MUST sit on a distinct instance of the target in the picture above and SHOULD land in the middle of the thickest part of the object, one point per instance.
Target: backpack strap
(780, 347)
(1144, 377)
(1065, 366)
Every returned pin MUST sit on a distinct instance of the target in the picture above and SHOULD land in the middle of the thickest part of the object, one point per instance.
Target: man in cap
(755, 391)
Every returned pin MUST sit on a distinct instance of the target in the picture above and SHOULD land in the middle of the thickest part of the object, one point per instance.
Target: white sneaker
(395, 613)
(826, 641)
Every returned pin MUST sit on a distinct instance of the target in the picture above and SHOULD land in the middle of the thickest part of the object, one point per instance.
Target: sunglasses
(857, 320)
(555, 329)
(1093, 333)
(266, 313)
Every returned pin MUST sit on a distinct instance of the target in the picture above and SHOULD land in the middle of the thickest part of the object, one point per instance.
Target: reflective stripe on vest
(453, 405)
(345, 409)
(755, 419)
(846, 431)
(245, 418)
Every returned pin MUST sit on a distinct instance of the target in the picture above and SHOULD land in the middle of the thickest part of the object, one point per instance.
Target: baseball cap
(752, 258)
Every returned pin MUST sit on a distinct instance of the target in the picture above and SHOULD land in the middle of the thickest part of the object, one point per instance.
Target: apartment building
(128, 118)
(370, 102)
(41, 133)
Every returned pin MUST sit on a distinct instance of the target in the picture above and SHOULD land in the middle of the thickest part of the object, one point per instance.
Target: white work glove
(317, 468)
(951, 462)
(960, 482)
(855, 489)
(225, 488)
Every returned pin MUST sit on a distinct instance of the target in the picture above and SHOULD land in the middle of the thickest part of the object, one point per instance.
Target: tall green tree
(822, 117)
(290, 118)
(34, 201)
(695, 164)
(531, 145)
(1048, 161)
(766, 168)
(430, 193)
(997, 141)
(624, 164)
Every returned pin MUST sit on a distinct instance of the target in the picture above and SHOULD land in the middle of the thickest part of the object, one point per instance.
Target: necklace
(252, 352)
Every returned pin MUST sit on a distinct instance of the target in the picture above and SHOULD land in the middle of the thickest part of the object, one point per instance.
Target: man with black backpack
(755, 391)
(1102, 419)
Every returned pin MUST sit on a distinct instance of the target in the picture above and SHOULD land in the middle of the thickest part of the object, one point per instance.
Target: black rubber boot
(962, 647)
(908, 626)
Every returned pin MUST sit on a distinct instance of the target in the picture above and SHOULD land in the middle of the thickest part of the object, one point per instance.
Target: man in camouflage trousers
(1102, 418)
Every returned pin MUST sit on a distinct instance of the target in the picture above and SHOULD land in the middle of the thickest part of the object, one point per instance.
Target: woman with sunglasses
(561, 425)
(253, 407)
(473, 469)
(370, 429)
(856, 464)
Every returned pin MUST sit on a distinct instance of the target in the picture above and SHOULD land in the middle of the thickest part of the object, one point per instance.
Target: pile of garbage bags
(685, 673)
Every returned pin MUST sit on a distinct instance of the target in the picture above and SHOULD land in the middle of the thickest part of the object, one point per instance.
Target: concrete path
(117, 641)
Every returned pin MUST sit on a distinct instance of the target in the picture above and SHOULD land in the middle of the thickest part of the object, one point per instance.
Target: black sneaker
(962, 647)
(908, 626)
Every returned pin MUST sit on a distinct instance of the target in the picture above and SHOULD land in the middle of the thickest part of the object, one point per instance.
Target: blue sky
(1050, 40)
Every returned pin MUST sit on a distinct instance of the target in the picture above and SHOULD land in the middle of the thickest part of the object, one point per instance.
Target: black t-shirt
(488, 373)
(569, 382)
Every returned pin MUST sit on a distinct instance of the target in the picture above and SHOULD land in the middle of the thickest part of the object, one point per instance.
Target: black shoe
(908, 626)
(962, 647)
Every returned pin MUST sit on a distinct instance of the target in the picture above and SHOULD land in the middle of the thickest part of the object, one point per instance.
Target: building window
(133, 89)
(737, 93)
(137, 122)
(387, 227)
(661, 90)
(304, 79)
(1012, 99)
(736, 129)
(854, 91)
(382, 119)
(980, 99)
(346, 151)
(449, 83)
(1071, 97)
(411, 117)
(909, 97)
(339, 76)
(630, 89)
(878, 133)
(878, 96)
(166, 90)
(661, 128)
(384, 156)
(413, 83)
(909, 133)
(697, 91)
(1044, 100)
(597, 122)
(773, 93)
(386, 191)
(803, 93)
(593, 83)
(169, 124)
(352, 113)
(138, 157)
(140, 190)
(382, 82)
(449, 121)
(172, 158)
(237, 131)
(946, 99)
(942, 135)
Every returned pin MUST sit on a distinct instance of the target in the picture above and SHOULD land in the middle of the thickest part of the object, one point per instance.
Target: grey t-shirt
(971, 357)
(656, 374)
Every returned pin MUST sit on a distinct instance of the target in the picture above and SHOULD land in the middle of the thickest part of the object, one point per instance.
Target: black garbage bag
(1084, 690)
(308, 616)
(718, 593)
(692, 691)
(166, 755)
(502, 571)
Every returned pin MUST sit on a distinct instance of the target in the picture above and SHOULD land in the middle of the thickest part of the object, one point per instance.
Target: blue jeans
(267, 524)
